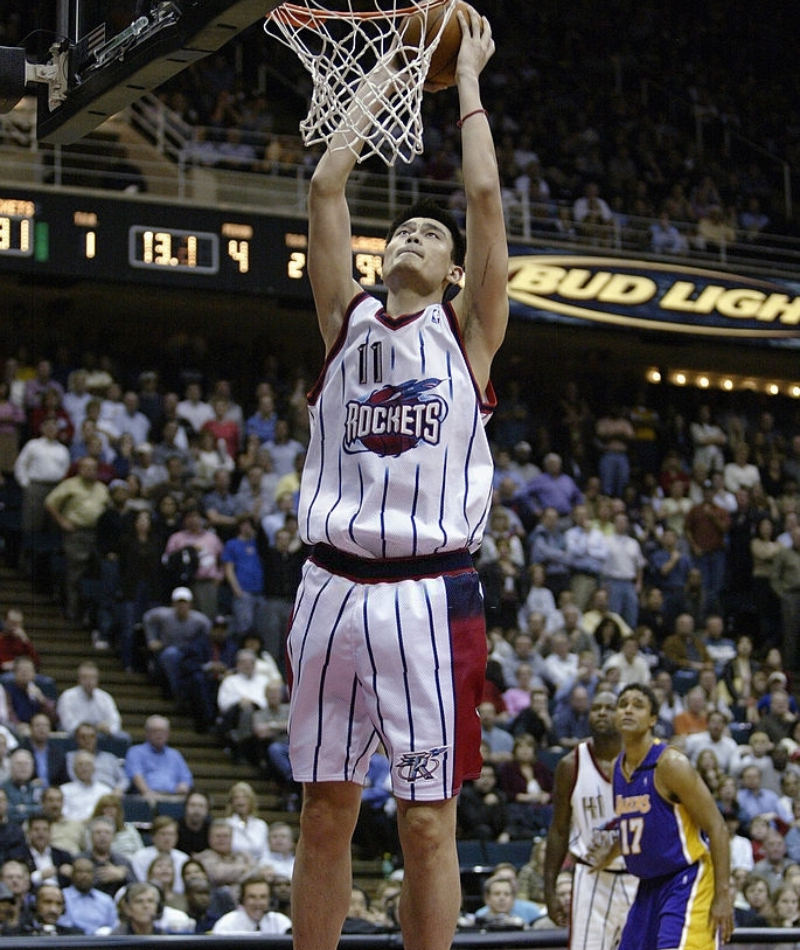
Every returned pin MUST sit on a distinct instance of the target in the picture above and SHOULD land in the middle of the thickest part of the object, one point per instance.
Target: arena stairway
(62, 646)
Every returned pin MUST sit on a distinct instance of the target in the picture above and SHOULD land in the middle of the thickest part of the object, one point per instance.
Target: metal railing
(167, 157)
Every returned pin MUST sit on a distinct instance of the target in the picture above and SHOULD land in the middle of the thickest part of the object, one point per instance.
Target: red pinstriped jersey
(398, 463)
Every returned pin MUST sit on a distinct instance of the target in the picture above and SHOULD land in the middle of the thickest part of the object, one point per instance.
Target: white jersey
(398, 463)
(592, 802)
(600, 901)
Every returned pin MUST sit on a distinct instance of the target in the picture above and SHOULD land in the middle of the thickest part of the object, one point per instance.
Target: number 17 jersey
(657, 837)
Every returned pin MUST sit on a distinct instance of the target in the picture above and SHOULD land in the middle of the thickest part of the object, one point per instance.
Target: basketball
(442, 71)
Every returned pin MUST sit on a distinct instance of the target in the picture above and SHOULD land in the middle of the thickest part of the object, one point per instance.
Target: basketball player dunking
(387, 640)
(583, 807)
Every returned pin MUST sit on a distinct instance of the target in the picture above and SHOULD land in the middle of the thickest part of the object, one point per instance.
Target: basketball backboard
(115, 52)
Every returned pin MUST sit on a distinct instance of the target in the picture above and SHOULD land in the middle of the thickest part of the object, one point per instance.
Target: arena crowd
(627, 541)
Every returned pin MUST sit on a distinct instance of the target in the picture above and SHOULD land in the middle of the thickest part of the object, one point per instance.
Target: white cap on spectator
(182, 593)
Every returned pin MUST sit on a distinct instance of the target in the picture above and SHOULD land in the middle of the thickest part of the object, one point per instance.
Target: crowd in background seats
(650, 535)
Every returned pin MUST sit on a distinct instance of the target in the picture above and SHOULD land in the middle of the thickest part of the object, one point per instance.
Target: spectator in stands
(221, 507)
(280, 848)
(168, 632)
(284, 449)
(623, 571)
(86, 906)
(12, 839)
(21, 788)
(528, 785)
(525, 909)
(87, 703)
(154, 768)
(139, 908)
(204, 663)
(111, 870)
(47, 911)
(244, 573)
(785, 581)
(592, 215)
(631, 663)
(194, 823)
(208, 575)
(754, 800)
(253, 914)
(250, 833)
(14, 641)
(130, 420)
(225, 867)
(263, 421)
(548, 547)
(46, 863)
(25, 697)
(553, 488)
(571, 722)
(498, 743)
(586, 555)
(76, 505)
(240, 694)
(64, 833)
(50, 764)
(82, 794)
(127, 838)
(270, 726)
(665, 238)
(282, 564)
(164, 836)
(107, 767)
(717, 738)
(142, 578)
(482, 807)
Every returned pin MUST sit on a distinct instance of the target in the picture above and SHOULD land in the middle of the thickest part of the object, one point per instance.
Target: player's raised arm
(483, 307)
(330, 262)
(677, 780)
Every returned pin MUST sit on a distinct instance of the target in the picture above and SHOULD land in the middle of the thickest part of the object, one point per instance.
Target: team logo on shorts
(394, 419)
(416, 766)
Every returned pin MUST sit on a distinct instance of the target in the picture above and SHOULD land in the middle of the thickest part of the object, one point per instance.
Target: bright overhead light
(703, 382)
(680, 379)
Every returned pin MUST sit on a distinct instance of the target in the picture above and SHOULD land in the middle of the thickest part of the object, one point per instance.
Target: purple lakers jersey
(657, 837)
(398, 463)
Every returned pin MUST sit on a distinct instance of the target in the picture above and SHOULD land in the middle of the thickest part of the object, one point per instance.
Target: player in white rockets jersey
(387, 641)
(583, 808)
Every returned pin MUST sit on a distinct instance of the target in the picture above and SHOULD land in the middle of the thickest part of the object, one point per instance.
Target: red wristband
(469, 115)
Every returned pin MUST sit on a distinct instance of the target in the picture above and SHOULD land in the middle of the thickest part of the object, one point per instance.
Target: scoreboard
(82, 235)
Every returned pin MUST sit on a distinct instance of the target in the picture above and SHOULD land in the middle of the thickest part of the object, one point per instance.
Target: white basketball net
(340, 49)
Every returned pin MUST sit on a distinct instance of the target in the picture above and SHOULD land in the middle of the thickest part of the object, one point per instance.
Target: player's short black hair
(645, 691)
(427, 208)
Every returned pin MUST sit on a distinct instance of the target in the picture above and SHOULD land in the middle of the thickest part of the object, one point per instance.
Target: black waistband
(373, 570)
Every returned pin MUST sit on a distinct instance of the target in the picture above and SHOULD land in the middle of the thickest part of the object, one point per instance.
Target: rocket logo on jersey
(413, 766)
(394, 419)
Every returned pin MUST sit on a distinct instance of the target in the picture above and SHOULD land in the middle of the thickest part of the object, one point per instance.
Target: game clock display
(73, 234)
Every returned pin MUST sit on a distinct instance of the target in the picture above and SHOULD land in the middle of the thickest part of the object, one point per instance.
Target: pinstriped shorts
(400, 662)
(600, 905)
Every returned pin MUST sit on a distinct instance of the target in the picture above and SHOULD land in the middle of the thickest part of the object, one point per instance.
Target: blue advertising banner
(662, 297)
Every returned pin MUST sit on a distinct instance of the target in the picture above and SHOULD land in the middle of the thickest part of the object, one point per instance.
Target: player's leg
(322, 877)
(430, 898)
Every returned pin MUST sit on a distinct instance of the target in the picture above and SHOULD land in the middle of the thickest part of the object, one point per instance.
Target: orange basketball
(442, 71)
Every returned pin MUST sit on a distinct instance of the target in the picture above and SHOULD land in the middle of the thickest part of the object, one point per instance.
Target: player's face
(602, 714)
(417, 244)
(634, 715)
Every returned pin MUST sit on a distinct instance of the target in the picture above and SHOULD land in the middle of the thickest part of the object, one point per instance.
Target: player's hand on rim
(477, 44)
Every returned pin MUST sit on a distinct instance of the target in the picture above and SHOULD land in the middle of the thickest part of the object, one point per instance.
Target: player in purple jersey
(671, 836)
(385, 642)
